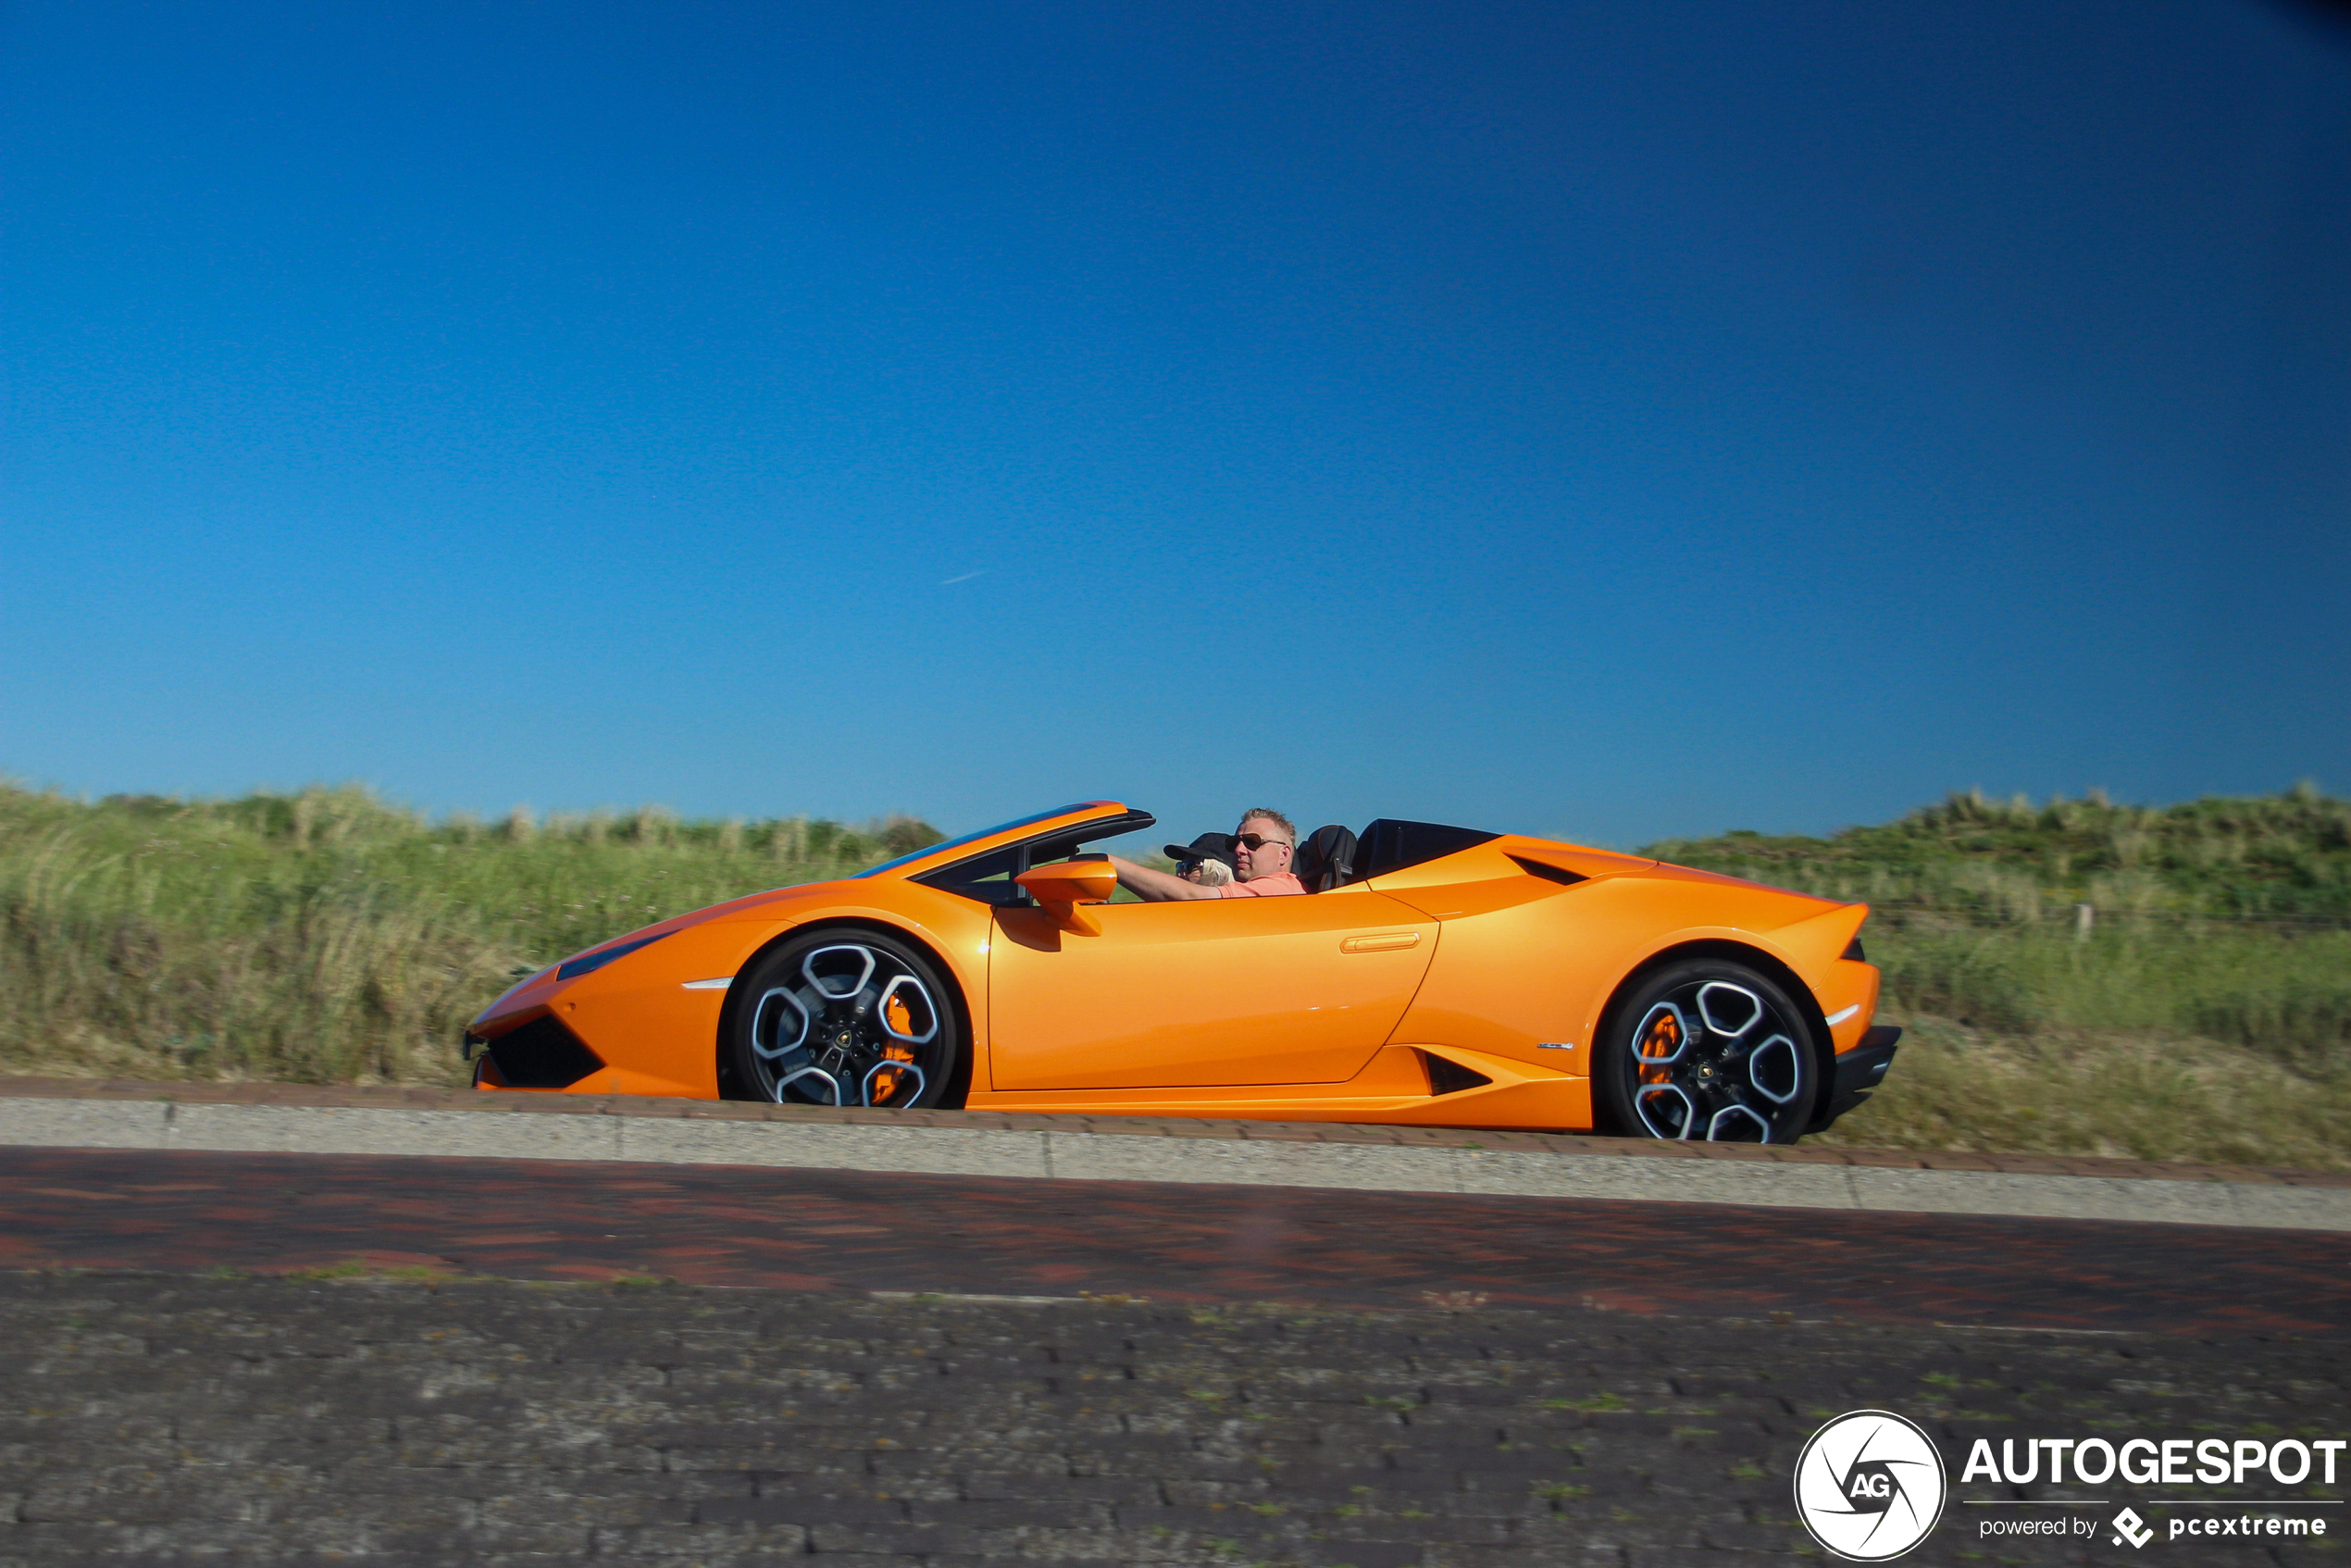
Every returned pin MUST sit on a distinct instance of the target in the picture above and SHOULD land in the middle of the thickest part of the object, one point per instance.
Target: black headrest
(1327, 858)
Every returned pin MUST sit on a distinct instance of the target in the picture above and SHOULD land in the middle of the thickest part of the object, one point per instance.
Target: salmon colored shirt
(1262, 887)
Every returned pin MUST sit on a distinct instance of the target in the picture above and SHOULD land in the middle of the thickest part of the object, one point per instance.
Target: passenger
(1207, 860)
(1262, 850)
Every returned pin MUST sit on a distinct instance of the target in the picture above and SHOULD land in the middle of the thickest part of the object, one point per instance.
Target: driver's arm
(1157, 886)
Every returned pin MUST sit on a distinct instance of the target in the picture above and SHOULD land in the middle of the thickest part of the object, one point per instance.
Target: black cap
(1208, 846)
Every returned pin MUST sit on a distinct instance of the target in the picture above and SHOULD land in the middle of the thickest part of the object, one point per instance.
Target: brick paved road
(836, 1230)
(1282, 1396)
(281, 1421)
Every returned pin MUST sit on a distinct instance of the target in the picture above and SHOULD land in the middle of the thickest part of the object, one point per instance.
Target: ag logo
(1870, 1486)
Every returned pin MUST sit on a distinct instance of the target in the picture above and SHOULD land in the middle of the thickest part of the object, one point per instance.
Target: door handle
(1386, 941)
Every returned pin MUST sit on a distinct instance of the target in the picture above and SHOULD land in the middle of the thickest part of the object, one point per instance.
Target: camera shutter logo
(1870, 1486)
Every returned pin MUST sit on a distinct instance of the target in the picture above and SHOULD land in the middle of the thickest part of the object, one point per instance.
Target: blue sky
(1607, 421)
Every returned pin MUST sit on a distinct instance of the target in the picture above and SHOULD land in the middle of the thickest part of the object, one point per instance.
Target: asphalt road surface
(1259, 1377)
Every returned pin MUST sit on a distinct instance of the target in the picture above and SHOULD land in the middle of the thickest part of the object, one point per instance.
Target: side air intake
(1559, 874)
(1450, 1078)
(542, 1054)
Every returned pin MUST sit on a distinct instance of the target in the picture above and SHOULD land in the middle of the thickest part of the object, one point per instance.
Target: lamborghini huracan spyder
(1433, 975)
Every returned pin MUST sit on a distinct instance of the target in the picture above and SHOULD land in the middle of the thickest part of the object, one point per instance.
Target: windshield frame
(962, 847)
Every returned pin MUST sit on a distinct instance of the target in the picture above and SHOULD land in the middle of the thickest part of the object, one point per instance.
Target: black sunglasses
(1258, 840)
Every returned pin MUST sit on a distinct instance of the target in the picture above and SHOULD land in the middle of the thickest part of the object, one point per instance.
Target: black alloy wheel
(841, 1017)
(1707, 1049)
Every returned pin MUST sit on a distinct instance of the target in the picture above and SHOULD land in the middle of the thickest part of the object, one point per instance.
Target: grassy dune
(325, 937)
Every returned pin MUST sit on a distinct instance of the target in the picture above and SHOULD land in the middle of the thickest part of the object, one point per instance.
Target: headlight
(588, 962)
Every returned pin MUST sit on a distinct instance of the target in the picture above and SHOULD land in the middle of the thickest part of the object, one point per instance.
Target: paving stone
(755, 1543)
(786, 1507)
(1371, 1554)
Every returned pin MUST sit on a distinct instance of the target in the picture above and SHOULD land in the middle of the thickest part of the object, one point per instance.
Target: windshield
(930, 850)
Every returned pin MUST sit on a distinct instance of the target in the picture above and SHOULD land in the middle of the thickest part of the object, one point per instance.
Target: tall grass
(327, 936)
(2067, 1092)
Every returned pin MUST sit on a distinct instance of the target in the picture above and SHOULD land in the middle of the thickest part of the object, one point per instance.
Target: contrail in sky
(965, 578)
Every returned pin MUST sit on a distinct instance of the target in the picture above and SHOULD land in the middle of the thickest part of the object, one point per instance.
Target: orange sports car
(1433, 975)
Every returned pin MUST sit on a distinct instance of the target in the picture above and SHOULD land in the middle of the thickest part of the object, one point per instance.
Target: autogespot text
(2145, 1463)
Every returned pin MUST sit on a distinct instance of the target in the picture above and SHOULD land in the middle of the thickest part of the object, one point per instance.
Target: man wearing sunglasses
(1262, 850)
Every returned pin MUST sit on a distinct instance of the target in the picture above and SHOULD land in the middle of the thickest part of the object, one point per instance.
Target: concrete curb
(284, 1119)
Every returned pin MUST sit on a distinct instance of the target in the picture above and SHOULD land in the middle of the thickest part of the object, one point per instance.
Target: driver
(1264, 848)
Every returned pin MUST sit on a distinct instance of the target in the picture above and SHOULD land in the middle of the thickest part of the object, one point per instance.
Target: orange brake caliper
(1663, 1039)
(886, 1082)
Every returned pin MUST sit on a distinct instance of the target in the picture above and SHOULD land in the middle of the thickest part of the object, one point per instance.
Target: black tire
(1707, 1049)
(844, 1016)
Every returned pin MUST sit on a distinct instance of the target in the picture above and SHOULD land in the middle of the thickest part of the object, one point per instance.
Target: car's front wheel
(1707, 1049)
(841, 1017)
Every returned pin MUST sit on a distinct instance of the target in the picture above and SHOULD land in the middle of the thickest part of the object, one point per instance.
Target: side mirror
(1062, 888)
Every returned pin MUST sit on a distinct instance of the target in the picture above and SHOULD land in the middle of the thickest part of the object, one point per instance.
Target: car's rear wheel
(842, 1017)
(1709, 1049)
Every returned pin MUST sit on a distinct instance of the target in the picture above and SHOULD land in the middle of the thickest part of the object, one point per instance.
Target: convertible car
(1433, 975)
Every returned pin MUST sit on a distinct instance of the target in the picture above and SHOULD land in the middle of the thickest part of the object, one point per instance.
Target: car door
(1252, 991)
